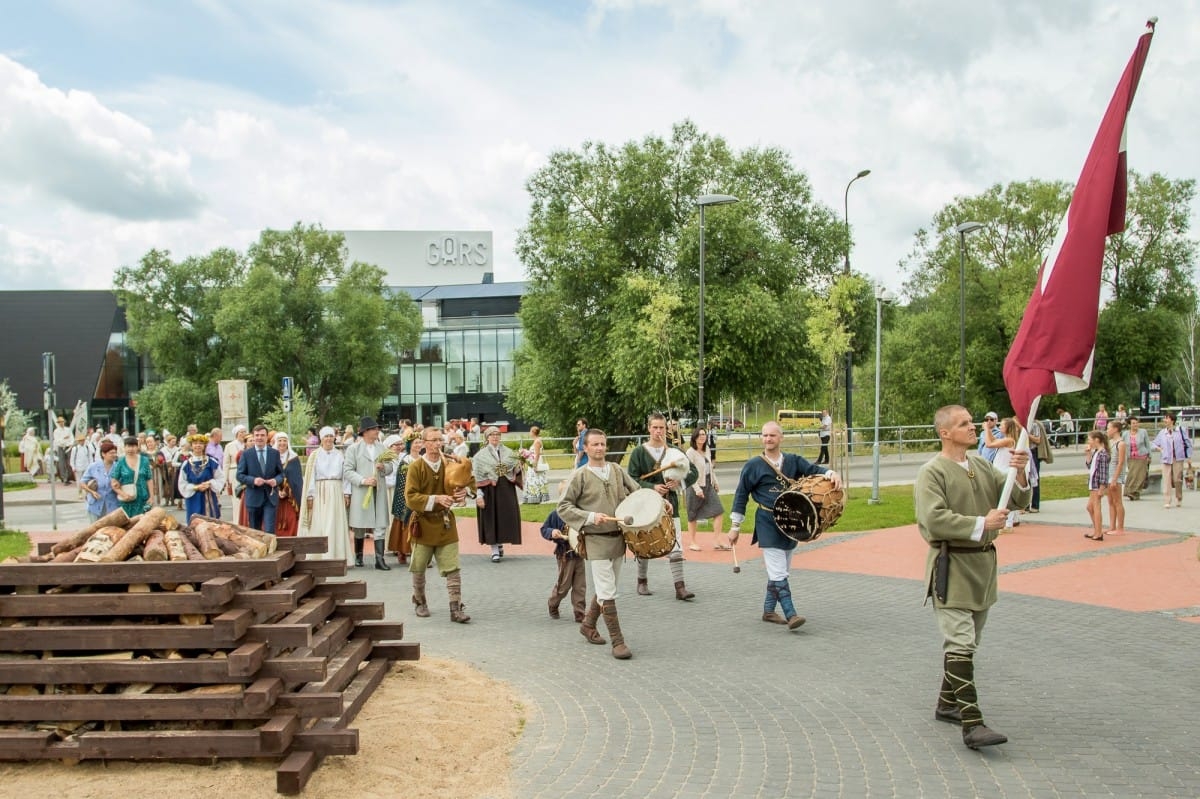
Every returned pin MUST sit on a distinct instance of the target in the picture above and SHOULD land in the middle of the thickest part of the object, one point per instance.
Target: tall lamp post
(704, 201)
(882, 297)
(963, 229)
(849, 356)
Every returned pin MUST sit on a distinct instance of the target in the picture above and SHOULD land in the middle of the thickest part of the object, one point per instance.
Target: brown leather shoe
(979, 735)
(643, 587)
(795, 621)
(681, 591)
(774, 618)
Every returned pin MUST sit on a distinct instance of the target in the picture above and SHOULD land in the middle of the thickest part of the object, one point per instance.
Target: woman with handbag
(703, 498)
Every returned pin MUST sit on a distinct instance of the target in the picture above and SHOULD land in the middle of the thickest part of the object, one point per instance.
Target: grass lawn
(14, 485)
(895, 508)
(13, 542)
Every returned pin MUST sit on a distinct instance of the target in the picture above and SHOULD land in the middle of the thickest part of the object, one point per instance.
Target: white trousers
(777, 561)
(605, 574)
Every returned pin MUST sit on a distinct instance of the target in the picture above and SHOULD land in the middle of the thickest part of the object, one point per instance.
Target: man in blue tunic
(764, 478)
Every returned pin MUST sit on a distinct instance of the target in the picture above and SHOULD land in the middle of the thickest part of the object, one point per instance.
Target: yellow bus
(798, 420)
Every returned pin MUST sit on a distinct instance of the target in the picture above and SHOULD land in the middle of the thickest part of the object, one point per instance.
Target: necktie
(262, 460)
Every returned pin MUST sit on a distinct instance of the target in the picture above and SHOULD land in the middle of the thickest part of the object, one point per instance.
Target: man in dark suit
(260, 471)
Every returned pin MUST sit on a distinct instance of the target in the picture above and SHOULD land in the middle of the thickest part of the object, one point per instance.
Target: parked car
(725, 423)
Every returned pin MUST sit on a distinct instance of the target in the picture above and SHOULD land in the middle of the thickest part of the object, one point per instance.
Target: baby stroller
(1057, 433)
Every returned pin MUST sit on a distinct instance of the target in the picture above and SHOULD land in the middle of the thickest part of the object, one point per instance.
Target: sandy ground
(434, 728)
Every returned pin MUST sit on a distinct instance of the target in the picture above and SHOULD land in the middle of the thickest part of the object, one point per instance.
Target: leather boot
(380, 563)
(587, 628)
(643, 587)
(358, 552)
(681, 591)
(946, 708)
(418, 597)
(454, 589)
(619, 650)
(960, 669)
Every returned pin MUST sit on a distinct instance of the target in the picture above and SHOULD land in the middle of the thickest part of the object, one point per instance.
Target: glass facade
(462, 368)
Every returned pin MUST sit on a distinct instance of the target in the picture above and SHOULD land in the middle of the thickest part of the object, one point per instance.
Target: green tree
(290, 307)
(614, 231)
(296, 423)
(177, 402)
(15, 420)
(1148, 269)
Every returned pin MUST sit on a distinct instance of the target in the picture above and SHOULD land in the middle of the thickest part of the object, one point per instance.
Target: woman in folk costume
(200, 481)
(287, 515)
(326, 497)
(535, 474)
(398, 540)
(31, 453)
(497, 474)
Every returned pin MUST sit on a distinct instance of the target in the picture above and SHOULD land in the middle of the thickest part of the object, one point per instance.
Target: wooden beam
(295, 771)
(277, 734)
(321, 568)
(160, 707)
(380, 630)
(230, 626)
(271, 567)
(304, 545)
(397, 650)
(355, 589)
(361, 611)
(247, 659)
(342, 666)
(282, 597)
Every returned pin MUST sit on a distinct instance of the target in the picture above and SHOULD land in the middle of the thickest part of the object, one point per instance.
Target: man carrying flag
(957, 508)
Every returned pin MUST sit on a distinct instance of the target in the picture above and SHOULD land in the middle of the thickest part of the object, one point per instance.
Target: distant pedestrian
(825, 435)
(31, 452)
(1118, 455)
(1176, 448)
(1138, 441)
(97, 484)
(1097, 459)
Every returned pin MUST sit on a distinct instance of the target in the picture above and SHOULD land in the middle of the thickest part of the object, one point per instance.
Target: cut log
(69, 556)
(175, 547)
(117, 518)
(145, 525)
(206, 543)
(267, 539)
(233, 534)
(100, 542)
(155, 548)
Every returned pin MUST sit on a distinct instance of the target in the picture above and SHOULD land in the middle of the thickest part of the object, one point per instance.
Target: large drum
(808, 508)
(650, 532)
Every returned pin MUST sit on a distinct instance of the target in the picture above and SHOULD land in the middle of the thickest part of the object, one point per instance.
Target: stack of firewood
(156, 536)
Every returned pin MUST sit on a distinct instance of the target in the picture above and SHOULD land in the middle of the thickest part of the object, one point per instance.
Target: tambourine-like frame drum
(576, 541)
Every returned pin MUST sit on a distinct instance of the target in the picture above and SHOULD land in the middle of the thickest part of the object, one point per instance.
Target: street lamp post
(882, 297)
(704, 201)
(963, 229)
(849, 356)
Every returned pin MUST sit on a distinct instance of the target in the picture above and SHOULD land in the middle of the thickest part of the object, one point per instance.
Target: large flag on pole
(1055, 345)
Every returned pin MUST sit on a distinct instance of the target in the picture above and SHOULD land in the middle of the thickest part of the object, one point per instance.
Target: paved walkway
(1089, 667)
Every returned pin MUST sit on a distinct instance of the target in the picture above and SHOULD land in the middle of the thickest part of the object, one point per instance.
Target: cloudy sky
(127, 125)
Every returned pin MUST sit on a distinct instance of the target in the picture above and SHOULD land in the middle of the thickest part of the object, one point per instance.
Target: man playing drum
(588, 503)
(646, 466)
(764, 478)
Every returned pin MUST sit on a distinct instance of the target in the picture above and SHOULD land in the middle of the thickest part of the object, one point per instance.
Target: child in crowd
(1097, 458)
(572, 574)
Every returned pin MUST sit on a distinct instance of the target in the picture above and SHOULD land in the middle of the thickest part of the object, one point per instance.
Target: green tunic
(949, 499)
(642, 462)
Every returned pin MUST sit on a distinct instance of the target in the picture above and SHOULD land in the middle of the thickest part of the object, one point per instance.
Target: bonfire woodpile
(141, 639)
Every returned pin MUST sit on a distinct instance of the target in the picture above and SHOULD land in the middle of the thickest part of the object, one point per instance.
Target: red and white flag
(1056, 343)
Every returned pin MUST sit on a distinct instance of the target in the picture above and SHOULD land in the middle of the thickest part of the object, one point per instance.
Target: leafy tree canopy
(290, 306)
(1147, 271)
(611, 316)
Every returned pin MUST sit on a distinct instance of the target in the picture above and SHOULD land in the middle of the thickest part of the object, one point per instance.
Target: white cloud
(423, 116)
(69, 147)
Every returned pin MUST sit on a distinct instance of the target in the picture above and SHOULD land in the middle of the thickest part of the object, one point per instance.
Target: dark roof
(468, 291)
(74, 325)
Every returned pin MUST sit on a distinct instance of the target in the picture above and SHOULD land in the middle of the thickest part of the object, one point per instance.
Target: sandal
(693, 548)
(722, 547)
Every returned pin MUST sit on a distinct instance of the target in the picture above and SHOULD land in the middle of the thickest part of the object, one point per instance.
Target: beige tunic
(588, 493)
